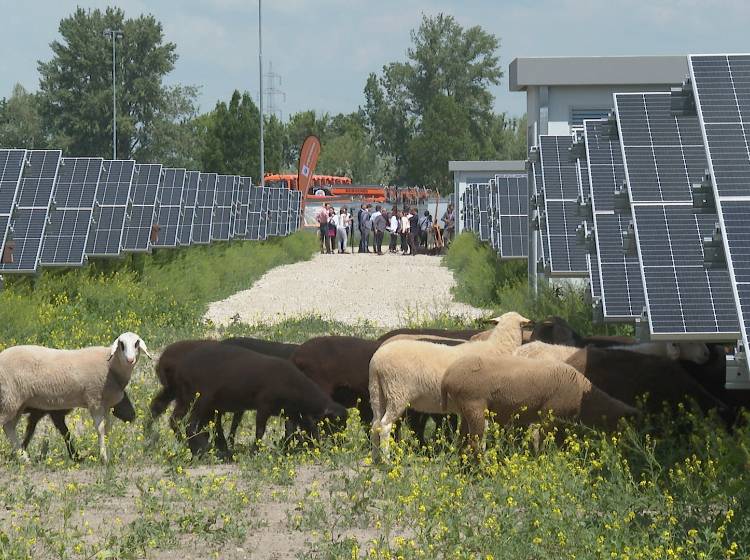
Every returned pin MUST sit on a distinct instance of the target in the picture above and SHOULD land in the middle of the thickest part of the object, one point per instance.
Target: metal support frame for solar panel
(272, 212)
(12, 165)
(189, 197)
(619, 275)
(235, 198)
(204, 209)
(112, 199)
(512, 215)
(294, 210)
(141, 214)
(220, 229)
(539, 216)
(721, 91)
(566, 257)
(594, 283)
(242, 208)
(28, 219)
(169, 213)
(663, 155)
(265, 201)
(71, 212)
(284, 212)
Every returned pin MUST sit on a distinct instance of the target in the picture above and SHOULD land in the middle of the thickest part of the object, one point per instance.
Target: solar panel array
(57, 211)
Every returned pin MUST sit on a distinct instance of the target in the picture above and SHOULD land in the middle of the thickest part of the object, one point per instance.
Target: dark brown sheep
(556, 330)
(123, 410)
(172, 357)
(229, 378)
(340, 366)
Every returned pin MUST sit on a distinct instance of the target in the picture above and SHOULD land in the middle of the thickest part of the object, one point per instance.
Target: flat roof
(596, 70)
(497, 166)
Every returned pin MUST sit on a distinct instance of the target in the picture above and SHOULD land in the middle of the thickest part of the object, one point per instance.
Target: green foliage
(21, 125)
(233, 138)
(161, 296)
(76, 84)
(483, 280)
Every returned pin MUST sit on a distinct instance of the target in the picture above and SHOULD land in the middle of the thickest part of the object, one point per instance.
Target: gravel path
(350, 289)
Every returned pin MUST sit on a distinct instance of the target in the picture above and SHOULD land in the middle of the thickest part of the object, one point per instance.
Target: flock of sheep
(517, 370)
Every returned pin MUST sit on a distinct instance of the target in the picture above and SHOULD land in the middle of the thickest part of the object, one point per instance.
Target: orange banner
(308, 159)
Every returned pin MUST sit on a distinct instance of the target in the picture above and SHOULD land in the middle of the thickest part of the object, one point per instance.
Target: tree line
(418, 114)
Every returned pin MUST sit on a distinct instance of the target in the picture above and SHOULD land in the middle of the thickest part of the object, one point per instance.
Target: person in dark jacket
(413, 231)
(378, 227)
(364, 229)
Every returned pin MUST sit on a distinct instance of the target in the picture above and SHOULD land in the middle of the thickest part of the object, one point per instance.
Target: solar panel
(617, 274)
(483, 224)
(169, 212)
(136, 235)
(112, 196)
(11, 170)
(295, 204)
(273, 212)
(220, 229)
(265, 201)
(29, 216)
(542, 235)
(254, 213)
(204, 209)
(721, 87)
(284, 212)
(242, 208)
(513, 215)
(189, 196)
(71, 211)
(561, 190)
(663, 156)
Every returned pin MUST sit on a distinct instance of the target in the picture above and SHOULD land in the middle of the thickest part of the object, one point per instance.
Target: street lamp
(113, 34)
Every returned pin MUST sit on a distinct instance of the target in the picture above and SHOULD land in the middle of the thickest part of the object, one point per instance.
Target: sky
(324, 49)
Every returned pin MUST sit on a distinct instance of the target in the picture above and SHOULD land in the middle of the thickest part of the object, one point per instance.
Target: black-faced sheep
(51, 379)
(218, 378)
(556, 330)
(510, 385)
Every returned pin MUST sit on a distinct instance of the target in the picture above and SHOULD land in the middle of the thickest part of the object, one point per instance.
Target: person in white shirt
(393, 231)
(405, 226)
(341, 220)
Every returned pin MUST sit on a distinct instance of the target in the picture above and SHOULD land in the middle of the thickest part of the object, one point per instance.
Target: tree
(274, 142)
(437, 106)
(21, 125)
(233, 138)
(76, 84)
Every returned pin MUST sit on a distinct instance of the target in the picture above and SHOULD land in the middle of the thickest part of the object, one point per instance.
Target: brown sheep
(556, 330)
(510, 385)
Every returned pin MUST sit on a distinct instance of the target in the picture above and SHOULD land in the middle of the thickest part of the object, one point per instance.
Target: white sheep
(696, 352)
(408, 373)
(51, 379)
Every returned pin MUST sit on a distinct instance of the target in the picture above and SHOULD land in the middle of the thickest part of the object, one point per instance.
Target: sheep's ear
(673, 350)
(142, 346)
(113, 349)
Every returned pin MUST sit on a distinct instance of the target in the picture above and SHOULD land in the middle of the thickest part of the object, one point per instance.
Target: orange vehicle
(331, 185)
(289, 181)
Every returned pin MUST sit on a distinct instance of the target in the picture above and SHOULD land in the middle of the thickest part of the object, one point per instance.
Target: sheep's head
(697, 352)
(508, 332)
(512, 319)
(128, 347)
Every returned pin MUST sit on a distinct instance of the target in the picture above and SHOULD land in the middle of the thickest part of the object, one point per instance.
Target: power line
(273, 92)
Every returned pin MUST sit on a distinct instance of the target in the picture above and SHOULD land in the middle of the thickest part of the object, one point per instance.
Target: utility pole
(114, 34)
(260, 72)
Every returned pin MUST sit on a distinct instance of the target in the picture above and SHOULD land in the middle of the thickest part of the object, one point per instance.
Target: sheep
(627, 375)
(556, 330)
(427, 338)
(697, 352)
(340, 365)
(464, 334)
(408, 373)
(51, 379)
(123, 410)
(510, 385)
(172, 356)
(218, 378)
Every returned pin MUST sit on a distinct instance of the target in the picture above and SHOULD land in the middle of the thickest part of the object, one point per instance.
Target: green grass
(162, 296)
(483, 280)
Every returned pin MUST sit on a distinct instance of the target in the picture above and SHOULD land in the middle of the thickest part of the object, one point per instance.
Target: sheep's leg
(417, 421)
(58, 419)
(175, 420)
(261, 419)
(34, 417)
(197, 435)
(159, 405)
(221, 442)
(472, 429)
(236, 419)
(99, 415)
(393, 412)
(10, 431)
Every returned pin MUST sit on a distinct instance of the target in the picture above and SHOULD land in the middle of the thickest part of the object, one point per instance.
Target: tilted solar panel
(12, 164)
(113, 197)
(70, 217)
(169, 213)
(619, 275)
(513, 215)
(721, 88)
(265, 200)
(204, 209)
(561, 190)
(663, 156)
(542, 236)
(29, 218)
(190, 195)
(220, 229)
(242, 208)
(136, 235)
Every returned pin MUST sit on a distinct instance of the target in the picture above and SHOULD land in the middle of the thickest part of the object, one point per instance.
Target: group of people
(414, 232)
